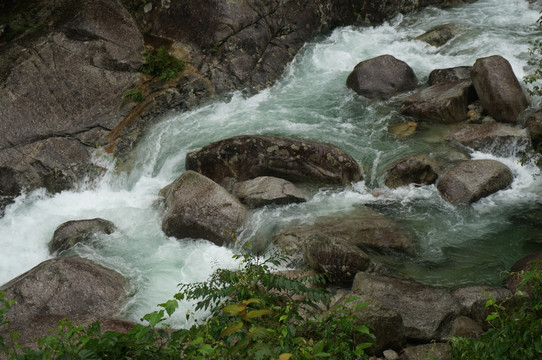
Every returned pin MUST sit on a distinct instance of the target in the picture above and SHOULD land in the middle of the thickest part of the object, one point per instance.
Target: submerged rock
(427, 313)
(417, 169)
(250, 156)
(472, 180)
(444, 102)
(72, 232)
(69, 287)
(197, 207)
(266, 190)
(403, 129)
(439, 35)
(496, 138)
(449, 74)
(498, 88)
(381, 77)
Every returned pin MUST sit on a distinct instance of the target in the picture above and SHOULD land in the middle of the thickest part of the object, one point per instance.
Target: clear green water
(456, 245)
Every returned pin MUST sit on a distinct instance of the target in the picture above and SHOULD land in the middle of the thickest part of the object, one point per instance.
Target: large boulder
(250, 156)
(449, 74)
(498, 88)
(72, 232)
(386, 323)
(534, 126)
(381, 77)
(417, 169)
(427, 312)
(474, 298)
(197, 207)
(334, 257)
(444, 102)
(366, 229)
(70, 287)
(267, 190)
(471, 180)
(496, 138)
(439, 35)
(62, 82)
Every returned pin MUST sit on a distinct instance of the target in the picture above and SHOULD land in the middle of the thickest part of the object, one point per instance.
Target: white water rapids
(458, 245)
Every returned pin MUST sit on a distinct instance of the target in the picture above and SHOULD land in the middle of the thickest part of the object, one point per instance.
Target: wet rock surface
(469, 181)
(381, 77)
(439, 35)
(418, 169)
(248, 157)
(498, 88)
(69, 287)
(267, 190)
(449, 74)
(197, 207)
(72, 232)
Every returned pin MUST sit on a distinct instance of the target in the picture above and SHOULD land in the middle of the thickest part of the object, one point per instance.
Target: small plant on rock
(162, 64)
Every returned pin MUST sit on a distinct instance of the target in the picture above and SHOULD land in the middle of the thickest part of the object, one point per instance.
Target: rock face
(496, 138)
(472, 180)
(417, 169)
(473, 300)
(366, 229)
(62, 88)
(69, 287)
(334, 257)
(387, 324)
(427, 313)
(438, 35)
(72, 232)
(450, 74)
(248, 157)
(498, 88)
(381, 77)
(266, 190)
(444, 102)
(197, 207)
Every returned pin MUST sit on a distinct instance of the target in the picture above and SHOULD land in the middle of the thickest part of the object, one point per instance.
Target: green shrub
(535, 61)
(515, 334)
(254, 314)
(134, 95)
(162, 64)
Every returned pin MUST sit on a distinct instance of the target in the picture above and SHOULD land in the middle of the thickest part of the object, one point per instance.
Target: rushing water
(458, 245)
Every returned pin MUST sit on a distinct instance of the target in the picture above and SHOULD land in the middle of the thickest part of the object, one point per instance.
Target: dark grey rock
(439, 35)
(72, 232)
(464, 326)
(469, 181)
(498, 88)
(444, 102)
(434, 351)
(518, 270)
(418, 169)
(69, 287)
(197, 207)
(474, 298)
(427, 312)
(247, 157)
(449, 74)
(534, 127)
(266, 190)
(381, 77)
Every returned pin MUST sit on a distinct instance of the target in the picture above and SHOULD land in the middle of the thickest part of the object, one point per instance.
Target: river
(458, 245)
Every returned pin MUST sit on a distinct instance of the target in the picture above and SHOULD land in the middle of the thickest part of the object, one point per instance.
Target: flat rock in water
(438, 35)
(381, 77)
(449, 74)
(250, 156)
(366, 229)
(496, 138)
(427, 312)
(444, 102)
(69, 287)
(197, 207)
(267, 190)
(498, 88)
(72, 232)
(469, 181)
(418, 169)
(334, 257)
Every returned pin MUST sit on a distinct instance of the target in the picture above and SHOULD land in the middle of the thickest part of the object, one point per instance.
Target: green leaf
(154, 318)
(231, 329)
(258, 313)
(285, 356)
(234, 309)
(323, 354)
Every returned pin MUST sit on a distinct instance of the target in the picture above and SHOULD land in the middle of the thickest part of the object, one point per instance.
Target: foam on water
(457, 245)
